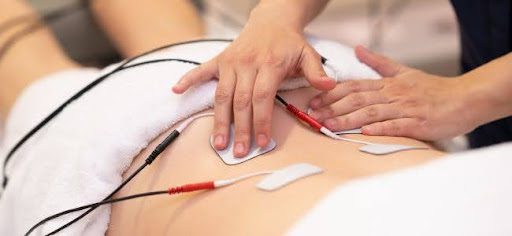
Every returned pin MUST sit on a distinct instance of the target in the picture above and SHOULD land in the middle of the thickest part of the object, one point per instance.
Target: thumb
(383, 65)
(314, 72)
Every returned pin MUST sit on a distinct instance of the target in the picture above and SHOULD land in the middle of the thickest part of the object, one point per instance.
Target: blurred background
(420, 33)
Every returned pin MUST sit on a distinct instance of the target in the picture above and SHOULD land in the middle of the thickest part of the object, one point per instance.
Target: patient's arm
(136, 26)
(241, 209)
(34, 55)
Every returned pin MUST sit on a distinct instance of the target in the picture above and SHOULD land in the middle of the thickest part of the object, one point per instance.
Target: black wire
(281, 100)
(95, 205)
(123, 66)
(92, 208)
(160, 148)
(158, 61)
(84, 90)
(154, 154)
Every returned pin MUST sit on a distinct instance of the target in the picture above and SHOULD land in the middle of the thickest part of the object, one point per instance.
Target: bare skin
(28, 60)
(135, 28)
(242, 209)
(38, 54)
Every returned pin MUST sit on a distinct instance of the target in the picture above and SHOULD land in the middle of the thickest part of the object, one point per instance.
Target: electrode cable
(84, 90)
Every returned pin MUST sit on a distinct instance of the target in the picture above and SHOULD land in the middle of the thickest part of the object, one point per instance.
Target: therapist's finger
(343, 89)
(265, 89)
(383, 65)
(404, 127)
(364, 116)
(202, 73)
(311, 65)
(348, 104)
(242, 110)
(223, 107)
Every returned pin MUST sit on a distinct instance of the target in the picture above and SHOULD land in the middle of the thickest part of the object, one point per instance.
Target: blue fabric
(486, 34)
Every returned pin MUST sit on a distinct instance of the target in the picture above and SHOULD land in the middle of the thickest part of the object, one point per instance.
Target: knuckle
(273, 60)
(242, 100)
(220, 125)
(261, 123)
(261, 95)
(393, 127)
(222, 95)
(371, 112)
(353, 86)
(377, 84)
(385, 80)
(327, 111)
(242, 133)
(422, 125)
(356, 100)
(344, 121)
(246, 58)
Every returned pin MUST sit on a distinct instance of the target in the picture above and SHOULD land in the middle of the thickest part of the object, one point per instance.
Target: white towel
(78, 158)
(462, 194)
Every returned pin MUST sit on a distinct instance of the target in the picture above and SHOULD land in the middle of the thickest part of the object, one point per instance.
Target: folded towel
(79, 157)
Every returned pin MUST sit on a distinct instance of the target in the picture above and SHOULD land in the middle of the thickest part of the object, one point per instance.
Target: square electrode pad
(227, 157)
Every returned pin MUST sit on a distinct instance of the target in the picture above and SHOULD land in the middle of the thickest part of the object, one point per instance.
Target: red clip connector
(192, 187)
(304, 117)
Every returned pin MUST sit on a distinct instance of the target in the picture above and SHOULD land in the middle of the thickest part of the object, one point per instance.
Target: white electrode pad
(227, 157)
(384, 149)
(283, 177)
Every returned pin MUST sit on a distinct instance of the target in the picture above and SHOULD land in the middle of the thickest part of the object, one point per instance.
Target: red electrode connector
(192, 187)
(300, 114)
(304, 117)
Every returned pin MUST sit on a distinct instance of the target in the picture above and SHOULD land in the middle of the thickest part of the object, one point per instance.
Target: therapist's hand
(406, 102)
(249, 72)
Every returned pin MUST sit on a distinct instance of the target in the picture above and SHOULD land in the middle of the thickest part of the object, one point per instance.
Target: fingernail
(219, 141)
(262, 140)
(330, 123)
(239, 149)
(315, 102)
(176, 88)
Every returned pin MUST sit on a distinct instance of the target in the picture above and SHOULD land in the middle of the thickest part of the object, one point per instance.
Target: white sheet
(464, 194)
(79, 157)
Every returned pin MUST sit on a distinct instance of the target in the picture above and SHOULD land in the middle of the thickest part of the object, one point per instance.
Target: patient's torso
(242, 209)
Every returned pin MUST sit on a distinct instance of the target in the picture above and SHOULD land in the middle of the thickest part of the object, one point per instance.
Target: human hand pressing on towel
(411, 103)
(270, 48)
